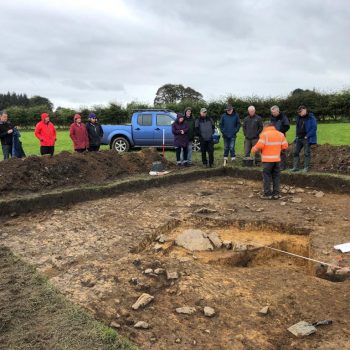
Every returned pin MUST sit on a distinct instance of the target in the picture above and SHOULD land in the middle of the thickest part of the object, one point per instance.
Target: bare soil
(96, 253)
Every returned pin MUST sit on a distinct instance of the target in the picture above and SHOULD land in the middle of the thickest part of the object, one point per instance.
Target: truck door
(143, 130)
(163, 122)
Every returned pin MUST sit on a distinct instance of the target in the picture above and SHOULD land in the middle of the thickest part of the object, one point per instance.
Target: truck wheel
(196, 145)
(120, 144)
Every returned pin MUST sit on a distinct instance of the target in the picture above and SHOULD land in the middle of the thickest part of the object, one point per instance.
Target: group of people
(267, 142)
(85, 137)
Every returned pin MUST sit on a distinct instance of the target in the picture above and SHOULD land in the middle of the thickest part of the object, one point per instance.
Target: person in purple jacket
(180, 130)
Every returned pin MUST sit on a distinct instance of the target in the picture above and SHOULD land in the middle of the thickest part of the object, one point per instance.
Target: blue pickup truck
(146, 130)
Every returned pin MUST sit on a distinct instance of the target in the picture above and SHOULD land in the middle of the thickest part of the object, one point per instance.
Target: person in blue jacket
(229, 127)
(306, 127)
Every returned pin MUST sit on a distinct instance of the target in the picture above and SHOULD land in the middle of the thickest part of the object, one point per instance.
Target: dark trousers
(302, 143)
(80, 150)
(207, 147)
(47, 150)
(248, 145)
(283, 164)
(229, 146)
(7, 151)
(94, 148)
(178, 154)
(271, 174)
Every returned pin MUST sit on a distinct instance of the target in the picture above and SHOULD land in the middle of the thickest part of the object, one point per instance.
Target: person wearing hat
(79, 135)
(229, 127)
(306, 128)
(204, 129)
(189, 120)
(180, 131)
(95, 133)
(281, 123)
(45, 132)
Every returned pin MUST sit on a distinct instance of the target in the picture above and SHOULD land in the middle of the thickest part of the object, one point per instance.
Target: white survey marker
(344, 248)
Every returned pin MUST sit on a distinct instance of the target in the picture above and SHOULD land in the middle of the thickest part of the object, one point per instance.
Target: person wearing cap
(204, 129)
(180, 131)
(229, 127)
(252, 127)
(45, 132)
(271, 143)
(282, 124)
(306, 128)
(79, 135)
(95, 133)
(189, 120)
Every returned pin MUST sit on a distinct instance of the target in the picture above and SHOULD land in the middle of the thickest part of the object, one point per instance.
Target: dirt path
(96, 254)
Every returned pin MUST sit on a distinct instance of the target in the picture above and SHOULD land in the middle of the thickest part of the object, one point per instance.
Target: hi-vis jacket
(271, 142)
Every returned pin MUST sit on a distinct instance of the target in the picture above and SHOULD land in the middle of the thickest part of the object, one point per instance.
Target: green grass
(334, 134)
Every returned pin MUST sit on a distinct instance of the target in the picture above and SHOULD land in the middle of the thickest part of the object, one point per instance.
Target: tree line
(333, 106)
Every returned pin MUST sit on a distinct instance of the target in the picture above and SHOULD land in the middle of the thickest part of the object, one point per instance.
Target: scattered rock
(215, 239)
(240, 182)
(259, 210)
(283, 203)
(172, 275)
(302, 329)
(161, 239)
(319, 194)
(194, 240)
(159, 271)
(265, 310)
(178, 340)
(205, 210)
(148, 271)
(186, 310)
(251, 195)
(209, 311)
(239, 247)
(227, 244)
(142, 301)
(114, 324)
(297, 200)
(299, 190)
(141, 325)
(157, 247)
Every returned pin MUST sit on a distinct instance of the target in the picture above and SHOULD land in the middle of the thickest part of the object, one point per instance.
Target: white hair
(275, 108)
(251, 107)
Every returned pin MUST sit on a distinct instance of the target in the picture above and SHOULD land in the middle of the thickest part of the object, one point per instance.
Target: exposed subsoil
(97, 253)
(37, 174)
(326, 158)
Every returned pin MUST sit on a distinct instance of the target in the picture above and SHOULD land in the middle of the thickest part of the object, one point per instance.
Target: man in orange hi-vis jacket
(271, 142)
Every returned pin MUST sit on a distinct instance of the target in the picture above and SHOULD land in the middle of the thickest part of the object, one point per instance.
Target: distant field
(335, 134)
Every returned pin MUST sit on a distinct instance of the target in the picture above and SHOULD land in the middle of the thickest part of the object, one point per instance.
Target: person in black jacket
(204, 128)
(6, 131)
(252, 127)
(281, 123)
(95, 133)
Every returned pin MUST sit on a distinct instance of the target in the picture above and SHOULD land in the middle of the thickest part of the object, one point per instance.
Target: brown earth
(97, 253)
(36, 174)
(326, 158)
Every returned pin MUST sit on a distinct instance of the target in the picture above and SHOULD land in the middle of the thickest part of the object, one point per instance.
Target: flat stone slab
(302, 329)
(194, 240)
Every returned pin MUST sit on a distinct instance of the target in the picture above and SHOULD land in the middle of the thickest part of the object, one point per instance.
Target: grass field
(335, 134)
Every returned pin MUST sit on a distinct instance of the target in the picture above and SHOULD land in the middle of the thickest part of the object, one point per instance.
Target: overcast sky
(86, 52)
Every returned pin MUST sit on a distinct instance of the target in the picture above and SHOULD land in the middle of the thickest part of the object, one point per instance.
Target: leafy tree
(171, 93)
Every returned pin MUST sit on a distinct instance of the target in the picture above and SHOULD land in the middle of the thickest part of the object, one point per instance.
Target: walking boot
(306, 164)
(295, 165)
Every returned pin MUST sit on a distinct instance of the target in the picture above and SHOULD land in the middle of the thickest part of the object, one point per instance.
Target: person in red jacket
(79, 135)
(45, 131)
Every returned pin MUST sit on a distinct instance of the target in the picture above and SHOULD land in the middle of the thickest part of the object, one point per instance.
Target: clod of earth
(142, 301)
(186, 310)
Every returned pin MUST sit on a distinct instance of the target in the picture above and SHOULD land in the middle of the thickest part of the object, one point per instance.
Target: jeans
(179, 151)
(229, 146)
(207, 146)
(299, 144)
(189, 153)
(47, 150)
(7, 151)
(271, 173)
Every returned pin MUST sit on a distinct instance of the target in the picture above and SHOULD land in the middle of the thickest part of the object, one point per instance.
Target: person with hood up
(189, 120)
(180, 131)
(306, 128)
(229, 127)
(95, 133)
(45, 132)
(79, 135)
